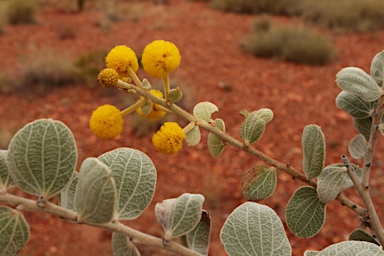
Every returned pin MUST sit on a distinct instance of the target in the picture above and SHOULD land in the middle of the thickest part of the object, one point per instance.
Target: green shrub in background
(3, 17)
(21, 11)
(346, 15)
(89, 65)
(292, 44)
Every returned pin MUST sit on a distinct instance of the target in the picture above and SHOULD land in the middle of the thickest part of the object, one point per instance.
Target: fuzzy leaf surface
(377, 68)
(357, 147)
(215, 145)
(122, 246)
(254, 125)
(198, 239)
(259, 182)
(355, 248)
(254, 229)
(204, 110)
(179, 216)
(355, 105)
(356, 81)
(313, 143)
(305, 213)
(95, 197)
(14, 231)
(193, 137)
(67, 195)
(5, 179)
(331, 182)
(311, 253)
(135, 177)
(41, 157)
(363, 126)
(362, 235)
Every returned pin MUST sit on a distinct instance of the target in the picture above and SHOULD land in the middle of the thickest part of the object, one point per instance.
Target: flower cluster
(159, 58)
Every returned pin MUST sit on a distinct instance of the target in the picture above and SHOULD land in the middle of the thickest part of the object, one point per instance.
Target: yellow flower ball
(160, 57)
(106, 122)
(108, 77)
(169, 139)
(120, 58)
(155, 113)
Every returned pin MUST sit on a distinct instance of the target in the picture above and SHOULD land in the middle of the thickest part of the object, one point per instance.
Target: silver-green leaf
(5, 179)
(363, 126)
(14, 231)
(362, 235)
(357, 147)
(311, 253)
(204, 110)
(377, 68)
(355, 248)
(198, 239)
(215, 145)
(67, 195)
(41, 157)
(259, 182)
(255, 230)
(95, 197)
(179, 216)
(355, 105)
(123, 246)
(135, 177)
(254, 125)
(313, 143)
(220, 124)
(305, 214)
(356, 81)
(193, 137)
(331, 182)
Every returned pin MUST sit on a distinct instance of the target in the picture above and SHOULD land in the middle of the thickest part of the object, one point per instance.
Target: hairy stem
(138, 237)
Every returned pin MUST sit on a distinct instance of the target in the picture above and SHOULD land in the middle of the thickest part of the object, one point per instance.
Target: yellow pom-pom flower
(108, 77)
(169, 139)
(160, 57)
(155, 113)
(106, 122)
(120, 58)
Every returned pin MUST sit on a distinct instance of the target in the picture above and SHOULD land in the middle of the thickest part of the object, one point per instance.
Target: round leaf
(356, 81)
(179, 216)
(220, 124)
(363, 126)
(254, 229)
(204, 110)
(67, 195)
(331, 182)
(357, 147)
(362, 235)
(95, 197)
(5, 179)
(135, 178)
(305, 214)
(193, 136)
(377, 68)
(254, 125)
(41, 157)
(348, 248)
(14, 231)
(355, 105)
(313, 143)
(215, 145)
(122, 246)
(259, 182)
(198, 239)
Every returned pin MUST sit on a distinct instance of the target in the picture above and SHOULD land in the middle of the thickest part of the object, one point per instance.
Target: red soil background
(209, 44)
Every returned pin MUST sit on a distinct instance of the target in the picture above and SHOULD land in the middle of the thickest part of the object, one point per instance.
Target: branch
(136, 236)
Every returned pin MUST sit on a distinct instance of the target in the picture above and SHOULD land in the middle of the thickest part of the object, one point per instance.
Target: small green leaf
(67, 195)
(357, 147)
(220, 124)
(363, 126)
(311, 253)
(41, 157)
(259, 182)
(193, 137)
(215, 145)
(14, 231)
(122, 246)
(95, 197)
(146, 84)
(331, 182)
(377, 68)
(244, 113)
(254, 125)
(5, 179)
(179, 216)
(355, 105)
(135, 177)
(305, 214)
(198, 239)
(362, 235)
(352, 248)
(204, 110)
(254, 229)
(175, 95)
(313, 142)
(356, 81)
(146, 108)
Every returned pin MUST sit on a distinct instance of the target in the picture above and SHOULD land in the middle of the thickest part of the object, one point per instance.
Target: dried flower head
(106, 122)
(108, 77)
(169, 139)
(155, 113)
(160, 58)
(120, 58)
